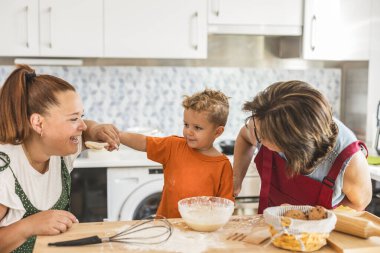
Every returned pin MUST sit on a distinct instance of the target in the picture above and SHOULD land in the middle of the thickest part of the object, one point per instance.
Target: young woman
(41, 133)
(305, 156)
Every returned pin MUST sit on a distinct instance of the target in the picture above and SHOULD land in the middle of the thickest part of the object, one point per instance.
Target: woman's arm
(357, 183)
(102, 132)
(133, 140)
(49, 222)
(243, 152)
(12, 237)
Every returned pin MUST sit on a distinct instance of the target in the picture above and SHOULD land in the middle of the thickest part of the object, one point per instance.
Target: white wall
(373, 73)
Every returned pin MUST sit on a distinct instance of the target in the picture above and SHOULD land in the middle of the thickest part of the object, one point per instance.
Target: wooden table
(183, 239)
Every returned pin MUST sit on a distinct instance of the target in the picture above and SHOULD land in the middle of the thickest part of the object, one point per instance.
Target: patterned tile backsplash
(150, 97)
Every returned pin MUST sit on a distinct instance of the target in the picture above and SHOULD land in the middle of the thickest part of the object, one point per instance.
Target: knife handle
(77, 242)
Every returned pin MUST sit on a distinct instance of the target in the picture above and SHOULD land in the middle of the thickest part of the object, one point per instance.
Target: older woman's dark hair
(297, 118)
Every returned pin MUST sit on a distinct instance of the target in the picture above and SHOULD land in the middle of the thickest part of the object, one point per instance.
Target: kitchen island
(183, 238)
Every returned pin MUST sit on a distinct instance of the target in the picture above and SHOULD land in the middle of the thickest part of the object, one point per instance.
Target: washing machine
(133, 192)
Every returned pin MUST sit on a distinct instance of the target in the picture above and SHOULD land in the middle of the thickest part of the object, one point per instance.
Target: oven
(89, 193)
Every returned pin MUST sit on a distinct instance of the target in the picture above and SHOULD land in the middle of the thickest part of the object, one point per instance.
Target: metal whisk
(147, 231)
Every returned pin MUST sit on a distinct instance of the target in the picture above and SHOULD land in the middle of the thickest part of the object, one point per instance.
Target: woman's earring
(41, 131)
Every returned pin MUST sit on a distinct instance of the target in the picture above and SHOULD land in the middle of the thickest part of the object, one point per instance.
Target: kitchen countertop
(183, 239)
(375, 172)
(116, 163)
(125, 157)
(114, 159)
(131, 158)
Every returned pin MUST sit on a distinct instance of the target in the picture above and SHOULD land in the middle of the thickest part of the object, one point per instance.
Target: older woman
(305, 155)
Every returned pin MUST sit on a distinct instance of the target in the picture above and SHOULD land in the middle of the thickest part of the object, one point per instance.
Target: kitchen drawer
(246, 206)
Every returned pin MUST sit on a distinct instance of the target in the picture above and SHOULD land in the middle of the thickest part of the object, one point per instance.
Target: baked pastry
(295, 214)
(95, 145)
(317, 213)
(292, 230)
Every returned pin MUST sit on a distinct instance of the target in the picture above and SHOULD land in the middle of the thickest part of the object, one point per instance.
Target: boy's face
(198, 131)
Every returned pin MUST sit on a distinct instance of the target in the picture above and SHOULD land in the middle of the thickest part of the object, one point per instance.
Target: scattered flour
(184, 239)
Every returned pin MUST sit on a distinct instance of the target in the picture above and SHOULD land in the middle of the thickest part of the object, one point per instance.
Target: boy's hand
(105, 133)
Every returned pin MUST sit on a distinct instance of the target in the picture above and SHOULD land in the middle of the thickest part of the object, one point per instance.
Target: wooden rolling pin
(361, 224)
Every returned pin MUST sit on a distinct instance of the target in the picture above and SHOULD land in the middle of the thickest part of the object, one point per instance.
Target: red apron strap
(328, 181)
(341, 158)
(266, 177)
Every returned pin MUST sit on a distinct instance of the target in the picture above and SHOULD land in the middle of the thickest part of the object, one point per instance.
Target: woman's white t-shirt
(43, 190)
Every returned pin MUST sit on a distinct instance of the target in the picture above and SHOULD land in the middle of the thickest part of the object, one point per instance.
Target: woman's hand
(50, 222)
(243, 153)
(103, 133)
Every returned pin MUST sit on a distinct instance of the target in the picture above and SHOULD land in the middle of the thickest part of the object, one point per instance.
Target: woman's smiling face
(63, 125)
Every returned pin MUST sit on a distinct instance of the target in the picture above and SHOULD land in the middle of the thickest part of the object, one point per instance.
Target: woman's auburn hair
(298, 119)
(22, 94)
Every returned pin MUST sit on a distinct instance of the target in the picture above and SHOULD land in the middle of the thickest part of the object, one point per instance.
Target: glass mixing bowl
(206, 213)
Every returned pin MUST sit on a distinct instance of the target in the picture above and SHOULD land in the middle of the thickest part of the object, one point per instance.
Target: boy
(192, 166)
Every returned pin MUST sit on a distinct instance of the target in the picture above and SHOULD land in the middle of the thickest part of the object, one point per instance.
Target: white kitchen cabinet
(51, 28)
(71, 28)
(262, 17)
(155, 28)
(19, 28)
(336, 29)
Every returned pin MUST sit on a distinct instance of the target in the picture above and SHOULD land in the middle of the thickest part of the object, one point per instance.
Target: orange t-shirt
(188, 173)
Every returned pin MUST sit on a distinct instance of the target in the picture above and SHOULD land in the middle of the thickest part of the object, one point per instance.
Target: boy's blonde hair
(211, 101)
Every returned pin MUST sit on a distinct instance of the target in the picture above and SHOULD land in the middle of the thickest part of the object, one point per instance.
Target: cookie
(295, 214)
(317, 213)
(95, 145)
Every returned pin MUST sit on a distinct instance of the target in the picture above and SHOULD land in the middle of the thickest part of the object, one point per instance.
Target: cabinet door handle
(194, 31)
(27, 25)
(215, 7)
(50, 43)
(312, 32)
